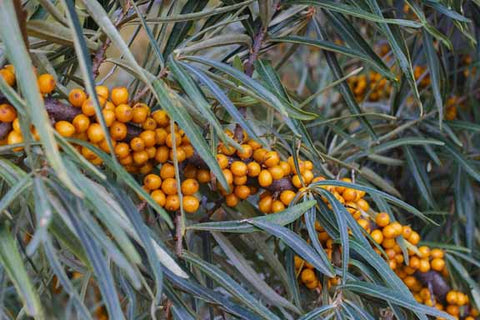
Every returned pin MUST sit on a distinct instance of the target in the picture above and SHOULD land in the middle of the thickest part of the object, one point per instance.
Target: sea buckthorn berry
(228, 150)
(123, 113)
(203, 176)
(159, 197)
(453, 310)
(239, 168)
(438, 264)
(167, 171)
(160, 136)
(170, 137)
(122, 150)
(222, 161)
(277, 206)
(140, 157)
(109, 106)
(364, 224)
(462, 299)
(308, 275)
(254, 144)
(285, 167)
(149, 124)
(265, 204)
(265, 178)
(308, 165)
(81, 123)
(108, 116)
(298, 262)
(180, 154)
(102, 91)
(437, 253)
(349, 194)
(8, 76)
(377, 236)
(95, 133)
(151, 151)
(231, 200)
(392, 264)
(137, 144)
(172, 203)
(169, 186)
(7, 113)
(246, 152)
(406, 232)
(238, 181)
(277, 172)
(242, 192)
(119, 95)
(16, 125)
(190, 204)
(388, 243)
(389, 231)
(296, 181)
(118, 131)
(414, 238)
(161, 118)
(148, 137)
(140, 113)
(287, 196)
(414, 263)
(254, 169)
(382, 219)
(15, 137)
(152, 182)
(228, 175)
(424, 265)
(452, 297)
(424, 251)
(189, 150)
(259, 154)
(363, 205)
(189, 186)
(46, 83)
(397, 227)
(88, 107)
(65, 128)
(307, 176)
(271, 158)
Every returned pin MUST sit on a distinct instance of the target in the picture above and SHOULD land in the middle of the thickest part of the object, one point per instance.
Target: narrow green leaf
(434, 69)
(13, 264)
(420, 176)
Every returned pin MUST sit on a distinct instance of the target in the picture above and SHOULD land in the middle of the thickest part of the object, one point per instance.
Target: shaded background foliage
(86, 221)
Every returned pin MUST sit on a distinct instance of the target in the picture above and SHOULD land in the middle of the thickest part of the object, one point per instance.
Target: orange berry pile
(451, 108)
(372, 87)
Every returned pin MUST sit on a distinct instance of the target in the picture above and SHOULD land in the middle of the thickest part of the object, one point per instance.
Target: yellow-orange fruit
(190, 204)
(159, 197)
(95, 133)
(65, 128)
(7, 113)
(46, 83)
(265, 178)
(189, 186)
(119, 95)
(287, 197)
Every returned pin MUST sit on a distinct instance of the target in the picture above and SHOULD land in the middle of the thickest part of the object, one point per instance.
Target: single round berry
(159, 197)
(190, 204)
(189, 187)
(119, 95)
(169, 186)
(118, 131)
(172, 202)
(65, 128)
(95, 133)
(152, 182)
(7, 113)
(46, 83)
(265, 178)
(123, 113)
(81, 123)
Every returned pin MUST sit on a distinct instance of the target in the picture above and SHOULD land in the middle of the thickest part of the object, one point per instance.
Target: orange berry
(265, 178)
(172, 202)
(285, 167)
(228, 175)
(149, 124)
(159, 197)
(95, 133)
(424, 251)
(152, 182)
(109, 106)
(377, 236)
(254, 169)
(7, 113)
(203, 176)
(388, 243)
(118, 131)
(102, 91)
(140, 113)
(424, 265)
(382, 219)
(414, 238)
(162, 153)
(161, 118)
(246, 152)
(65, 128)
(349, 194)
(231, 200)
(170, 137)
(137, 144)
(148, 137)
(160, 136)
(259, 154)
(119, 95)
(140, 157)
(151, 151)
(169, 186)
(265, 204)
(296, 181)
(437, 253)
(271, 158)
(123, 113)
(308, 275)
(46, 83)
(453, 310)
(189, 186)
(238, 181)
(88, 108)
(452, 297)
(287, 197)
(8, 76)
(180, 154)
(122, 150)
(15, 137)
(363, 205)
(239, 168)
(277, 172)
(222, 161)
(167, 171)
(108, 116)
(406, 232)
(81, 123)
(438, 264)
(242, 192)
(277, 206)
(389, 231)
(190, 204)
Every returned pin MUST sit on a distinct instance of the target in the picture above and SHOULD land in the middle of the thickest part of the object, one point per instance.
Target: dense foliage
(267, 159)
